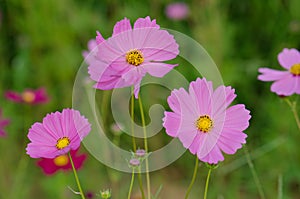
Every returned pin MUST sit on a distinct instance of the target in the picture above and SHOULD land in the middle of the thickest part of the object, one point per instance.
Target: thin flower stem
(254, 174)
(207, 182)
(294, 110)
(132, 121)
(76, 177)
(146, 147)
(141, 183)
(131, 184)
(134, 143)
(193, 179)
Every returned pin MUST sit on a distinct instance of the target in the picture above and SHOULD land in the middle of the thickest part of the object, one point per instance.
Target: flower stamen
(204, 123)
(295, 69)
(62, 143)
(134, 57)
(28, 96)
(61, 160)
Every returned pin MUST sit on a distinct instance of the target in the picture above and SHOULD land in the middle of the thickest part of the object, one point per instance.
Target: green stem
(131, 184)
(294, 110)
(141, 183)
(76, 177)
(132, 121)
(254, 174)
(207, 182)
(193, 179)
(146, 147)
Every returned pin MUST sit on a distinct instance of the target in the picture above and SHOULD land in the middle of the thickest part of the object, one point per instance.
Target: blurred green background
(41, 44)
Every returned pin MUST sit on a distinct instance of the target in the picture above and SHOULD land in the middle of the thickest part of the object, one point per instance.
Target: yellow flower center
(134, 57)
(295, 69)
(62, 143)
(61, 160)
(204, 123)
(28, 96)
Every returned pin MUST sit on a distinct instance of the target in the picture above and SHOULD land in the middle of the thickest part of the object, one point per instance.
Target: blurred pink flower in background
(87, 54)
(62, 162)
(204, 123)
(28, 96)
(177, 11)
(286, 82)
(125, 58)
(57, 134)
(3, 124)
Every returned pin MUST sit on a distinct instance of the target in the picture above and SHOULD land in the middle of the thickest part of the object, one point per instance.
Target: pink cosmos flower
(286, 82)
(204, 123)
(125, 58)
(177, 11)
(28, 96)
(50, 166)
(3, 124)
(57, 134)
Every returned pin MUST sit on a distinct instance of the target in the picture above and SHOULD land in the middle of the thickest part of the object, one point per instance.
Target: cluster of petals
(28, 96)
(130, 53)
(220, 128)
(3, 124)
(59, 133)
(51, 165)
(286, 82)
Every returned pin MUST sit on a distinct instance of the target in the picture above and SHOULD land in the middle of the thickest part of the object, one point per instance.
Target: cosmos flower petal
(13, 96)
(157, 69)
(122, 26)
(214, 156)
(99, 38)
(41, 151)
(237, 117)
(186, 104)
(53, 125)
(187, 137)
(272, 75)
(286, 86)
(231, 140)
(4, 123)
(288, 57)
(171, 123)
(158, 46)
(39, 134)
(145, 23)
(173, 102)
(137, 89)
(196, 143)
(202, 90)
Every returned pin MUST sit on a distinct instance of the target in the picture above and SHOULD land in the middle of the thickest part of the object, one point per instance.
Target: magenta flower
(3, 124)
(58, 134)
(125, 58)
(286, 82)
(177, 11)
(62, 162)
(28, 96)
(204, 123)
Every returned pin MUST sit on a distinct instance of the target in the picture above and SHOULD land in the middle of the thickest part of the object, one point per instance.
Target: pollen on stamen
(28, 96)
(204, 123)
(134, 57)
(61, 160)
(62, 143)
(295, 69)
